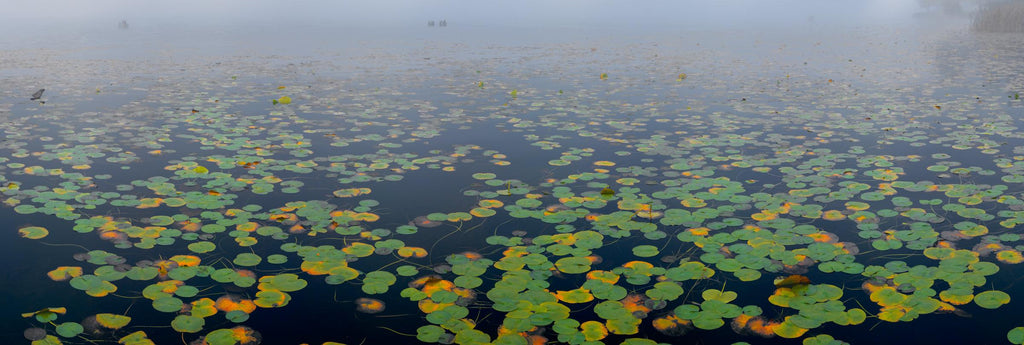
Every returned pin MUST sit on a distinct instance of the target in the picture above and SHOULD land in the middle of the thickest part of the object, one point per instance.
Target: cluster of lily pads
(638, 229)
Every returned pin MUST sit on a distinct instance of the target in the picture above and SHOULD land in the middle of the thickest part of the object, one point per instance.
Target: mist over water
(301, 28)
(791, 30)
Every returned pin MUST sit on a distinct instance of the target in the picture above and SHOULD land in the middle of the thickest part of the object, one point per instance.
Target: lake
(523, 181)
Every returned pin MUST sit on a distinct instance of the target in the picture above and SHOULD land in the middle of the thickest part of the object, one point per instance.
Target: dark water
(790, 119)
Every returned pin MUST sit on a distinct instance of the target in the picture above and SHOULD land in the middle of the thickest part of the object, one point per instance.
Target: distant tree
(1000, 17)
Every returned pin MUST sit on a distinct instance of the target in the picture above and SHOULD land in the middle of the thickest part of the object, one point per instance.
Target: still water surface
(615, 175)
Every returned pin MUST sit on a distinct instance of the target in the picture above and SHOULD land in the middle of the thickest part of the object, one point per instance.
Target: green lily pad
(202, 247)
(573, 265)
(378, 282)
(69, 329)
(645, 251)
(277, 259)
(991, 299)
(429, 333)
(33, 232)
(167, 304)
(1016, 335)
(93, 285)
(286, 282)
(247, 259)
(187, 323)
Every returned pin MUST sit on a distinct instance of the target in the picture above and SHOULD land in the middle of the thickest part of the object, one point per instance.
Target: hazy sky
(468, 12)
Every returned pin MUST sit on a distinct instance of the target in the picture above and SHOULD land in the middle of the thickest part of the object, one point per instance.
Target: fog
(708, 15)
(316, 27)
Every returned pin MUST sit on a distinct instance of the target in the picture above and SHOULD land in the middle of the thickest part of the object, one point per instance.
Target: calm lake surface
(812, 182)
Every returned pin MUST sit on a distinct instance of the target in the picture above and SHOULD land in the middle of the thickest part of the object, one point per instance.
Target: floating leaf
(202, 247)
(237, 335)
(112, 321)
(378, 282)
(575, 296)
(64, 273)
(369, 305)
(1016, 335)
(187, 323)
(93, 285)
(69, 329)
(247, 259)
(645, 251)
(991, 299)
(359, 249)
(593, 330)
(167, 304)
(786, 329)
(429, 333)
(272, 299)
(33, 232)
(286, 282)
(573, 265)
(46, 314)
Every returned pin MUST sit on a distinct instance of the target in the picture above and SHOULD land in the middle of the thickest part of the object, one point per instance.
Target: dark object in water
(35, 334)
(37, 95)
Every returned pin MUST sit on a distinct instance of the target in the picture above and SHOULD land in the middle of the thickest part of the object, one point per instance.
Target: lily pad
(33, 232)
(187, 323)
(991, 299)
